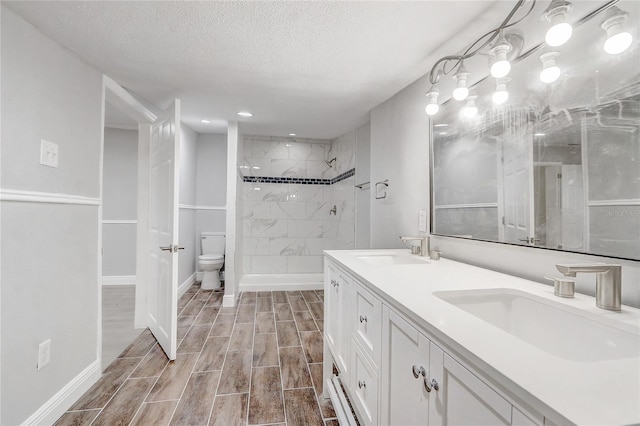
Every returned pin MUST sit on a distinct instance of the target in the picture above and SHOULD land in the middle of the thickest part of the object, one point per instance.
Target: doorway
(119, 228)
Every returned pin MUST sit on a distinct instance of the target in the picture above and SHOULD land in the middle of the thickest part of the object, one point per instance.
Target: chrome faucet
(608, 282)
(424, 245)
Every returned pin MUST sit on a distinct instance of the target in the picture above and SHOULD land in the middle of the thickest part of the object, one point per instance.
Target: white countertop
(594, 393)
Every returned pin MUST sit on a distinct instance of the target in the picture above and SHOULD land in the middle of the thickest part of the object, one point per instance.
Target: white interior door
(518, 189)
(572, 207)
(162, 295)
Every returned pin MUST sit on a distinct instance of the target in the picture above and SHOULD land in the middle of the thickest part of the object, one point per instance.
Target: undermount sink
(383, 259)
(555, 328)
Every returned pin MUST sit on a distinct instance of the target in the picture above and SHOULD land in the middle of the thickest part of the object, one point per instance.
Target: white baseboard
(119, 280)
(279, 282)
(228, 301)
(280, 286)
(182, 289)
(55, 407)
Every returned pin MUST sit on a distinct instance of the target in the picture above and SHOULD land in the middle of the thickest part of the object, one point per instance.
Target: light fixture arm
(439, 68)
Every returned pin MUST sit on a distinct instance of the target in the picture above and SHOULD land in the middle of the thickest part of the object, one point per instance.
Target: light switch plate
(422, 220)
(48, 153)
(44, 354)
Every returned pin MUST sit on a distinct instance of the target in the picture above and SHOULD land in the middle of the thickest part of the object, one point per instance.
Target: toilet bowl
(212, 259)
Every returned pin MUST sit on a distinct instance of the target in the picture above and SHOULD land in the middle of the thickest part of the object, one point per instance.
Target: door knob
(173, 248)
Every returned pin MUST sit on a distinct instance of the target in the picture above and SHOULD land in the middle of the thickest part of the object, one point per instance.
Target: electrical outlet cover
(48, 153)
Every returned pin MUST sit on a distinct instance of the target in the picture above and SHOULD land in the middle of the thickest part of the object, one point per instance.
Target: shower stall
(297, 200)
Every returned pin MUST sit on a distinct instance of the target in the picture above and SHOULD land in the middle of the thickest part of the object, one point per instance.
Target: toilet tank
(212, 242)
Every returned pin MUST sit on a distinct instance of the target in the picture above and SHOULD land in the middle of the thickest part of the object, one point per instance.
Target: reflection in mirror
(558, 164)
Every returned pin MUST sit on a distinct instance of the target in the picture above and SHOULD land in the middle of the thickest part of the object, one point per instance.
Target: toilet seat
(210, 257)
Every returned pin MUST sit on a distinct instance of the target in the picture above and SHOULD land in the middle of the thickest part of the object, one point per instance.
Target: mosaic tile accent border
(299, 181)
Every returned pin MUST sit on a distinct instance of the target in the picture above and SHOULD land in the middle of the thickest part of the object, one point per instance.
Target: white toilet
(212, 259)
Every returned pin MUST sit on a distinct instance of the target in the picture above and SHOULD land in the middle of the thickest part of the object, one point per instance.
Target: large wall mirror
(557, 165)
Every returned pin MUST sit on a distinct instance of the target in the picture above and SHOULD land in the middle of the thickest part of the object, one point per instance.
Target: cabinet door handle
(334, 283)
(418, 371)
(363, 318)
(362, 384)
(433, 384)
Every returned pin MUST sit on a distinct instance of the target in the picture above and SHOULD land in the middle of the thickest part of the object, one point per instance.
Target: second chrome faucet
(608, 282)
(423, 247)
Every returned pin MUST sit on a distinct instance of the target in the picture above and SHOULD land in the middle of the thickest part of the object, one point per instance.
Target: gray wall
(363, 195)
(211, 185)
(399, 152)
(49, 251)
(187, 163)
(119, 196)
(211, 182)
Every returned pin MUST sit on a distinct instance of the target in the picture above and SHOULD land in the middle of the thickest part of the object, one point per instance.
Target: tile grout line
(308, 363)
(226, 353)
(215, 394)
(253, 341)
(200, 353)
(284, 402)
(119, 387)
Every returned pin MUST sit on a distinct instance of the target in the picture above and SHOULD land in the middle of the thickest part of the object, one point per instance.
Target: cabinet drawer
(364, 387)
(367, 322)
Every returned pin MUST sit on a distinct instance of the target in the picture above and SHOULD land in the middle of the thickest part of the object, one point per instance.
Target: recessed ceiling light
(205, 121)
(292, 134)
(245, 114)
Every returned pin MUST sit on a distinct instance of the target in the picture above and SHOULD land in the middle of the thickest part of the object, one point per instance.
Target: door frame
(122, 100)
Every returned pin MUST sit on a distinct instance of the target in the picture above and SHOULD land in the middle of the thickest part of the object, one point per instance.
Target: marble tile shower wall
(287, 226)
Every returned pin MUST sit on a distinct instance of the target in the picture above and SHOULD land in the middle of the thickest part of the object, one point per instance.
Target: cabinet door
(364, 387)
(404, 399)
(331, 306)
(462, 398)
(337, 329)
(367, 321)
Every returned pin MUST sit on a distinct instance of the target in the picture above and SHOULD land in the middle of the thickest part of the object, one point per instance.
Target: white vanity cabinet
(396, 373)
(420, 381)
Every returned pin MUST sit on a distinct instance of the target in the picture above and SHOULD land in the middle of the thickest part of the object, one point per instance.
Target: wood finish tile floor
(118, 306)
(259, 363)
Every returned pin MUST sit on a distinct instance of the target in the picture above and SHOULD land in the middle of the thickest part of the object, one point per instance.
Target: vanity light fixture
(550, 71)
(560, 30)
(501, 65)
(461, 91)
(618, 38)
(432, 106)
(501, 94)
(245, 114)
(470, 110)
(496, 42)
(205, 121)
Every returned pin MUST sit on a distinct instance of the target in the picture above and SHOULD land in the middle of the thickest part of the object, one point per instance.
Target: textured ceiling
(311, 68)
